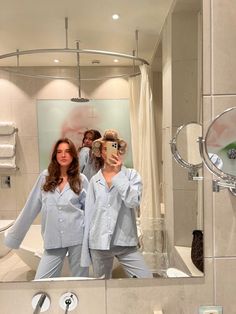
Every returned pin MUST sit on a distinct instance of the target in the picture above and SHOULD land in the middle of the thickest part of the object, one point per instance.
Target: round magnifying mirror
(220, 142)
(185, 147)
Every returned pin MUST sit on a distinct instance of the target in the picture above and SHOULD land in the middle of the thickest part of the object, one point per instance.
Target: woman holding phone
(110, 223)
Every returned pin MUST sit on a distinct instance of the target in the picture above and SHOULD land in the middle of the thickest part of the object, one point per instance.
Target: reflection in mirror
(186, 143)
(220, 142)
(185, 148)
(165, 239)
(218, 150)
(181, 99)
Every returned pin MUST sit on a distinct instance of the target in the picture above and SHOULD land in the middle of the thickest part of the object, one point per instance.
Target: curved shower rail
(71, 50)
(18, 71)
(76, 51)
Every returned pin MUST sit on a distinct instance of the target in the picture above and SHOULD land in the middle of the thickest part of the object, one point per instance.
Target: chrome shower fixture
(79, 99)
(41, 302)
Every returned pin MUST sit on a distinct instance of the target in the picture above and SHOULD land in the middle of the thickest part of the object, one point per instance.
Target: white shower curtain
(144, 146)
(144, 142)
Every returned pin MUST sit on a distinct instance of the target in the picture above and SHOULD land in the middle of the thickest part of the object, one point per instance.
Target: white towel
(7, 128)
(7, 150)
(8, 139)
(8, 163)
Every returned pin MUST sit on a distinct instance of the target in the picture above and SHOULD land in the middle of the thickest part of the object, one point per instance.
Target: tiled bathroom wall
(220, 94)
(132, 296)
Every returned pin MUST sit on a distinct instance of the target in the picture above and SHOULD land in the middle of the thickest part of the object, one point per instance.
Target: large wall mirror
(176, 70)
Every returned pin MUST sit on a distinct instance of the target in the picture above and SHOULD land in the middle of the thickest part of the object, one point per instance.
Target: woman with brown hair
(59, 195)
(89, 163)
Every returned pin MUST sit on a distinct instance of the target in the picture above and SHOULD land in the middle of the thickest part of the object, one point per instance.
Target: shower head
(76, 99)
(79, 99)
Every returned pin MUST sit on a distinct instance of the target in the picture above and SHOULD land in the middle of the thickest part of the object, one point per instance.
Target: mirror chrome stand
(225, 180)
(193, 173)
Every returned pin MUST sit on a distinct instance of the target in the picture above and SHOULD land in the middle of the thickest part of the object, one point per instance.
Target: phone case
(112, 148)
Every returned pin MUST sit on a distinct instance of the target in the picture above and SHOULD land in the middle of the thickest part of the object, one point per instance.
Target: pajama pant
(129, 257)
(52, 261)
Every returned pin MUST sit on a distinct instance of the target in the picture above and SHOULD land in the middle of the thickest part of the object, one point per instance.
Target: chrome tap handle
(40, 302)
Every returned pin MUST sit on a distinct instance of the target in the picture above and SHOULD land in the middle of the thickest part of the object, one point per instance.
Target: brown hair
(54, 171)
(95, 134)
(98, 162)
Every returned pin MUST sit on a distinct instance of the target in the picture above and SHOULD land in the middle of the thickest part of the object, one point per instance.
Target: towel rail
(8, 132)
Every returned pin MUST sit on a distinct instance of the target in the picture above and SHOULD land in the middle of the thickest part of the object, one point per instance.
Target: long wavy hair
(97, 162)
(95, 135)
(54, 169)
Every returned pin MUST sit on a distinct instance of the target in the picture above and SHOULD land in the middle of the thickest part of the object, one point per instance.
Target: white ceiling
(31, 24)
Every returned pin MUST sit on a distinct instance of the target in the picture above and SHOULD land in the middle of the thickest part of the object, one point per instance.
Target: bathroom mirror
(220, 143)
(185, 148)
(218, 150)
(177, 220)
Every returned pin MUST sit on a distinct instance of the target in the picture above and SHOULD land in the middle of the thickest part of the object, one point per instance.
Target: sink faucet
(39, 301)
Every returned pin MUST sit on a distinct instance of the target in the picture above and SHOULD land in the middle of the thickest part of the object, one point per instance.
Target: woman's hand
(116, 162)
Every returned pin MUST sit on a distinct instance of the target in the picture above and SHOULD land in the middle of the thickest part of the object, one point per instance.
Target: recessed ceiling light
(56, 60)
(115, 16)
(116, 60)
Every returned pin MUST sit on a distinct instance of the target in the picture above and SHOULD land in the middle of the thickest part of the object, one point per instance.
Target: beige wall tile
(167, 75)
(91, 295)
(167, 156)
(224, 46)
(27, 154)
(8, 214)
(225, 282)
(184, 35)
(101, 89)
(207, 116)
(225, 223)
(208, 214)
(221, 103)
(185, 216)
(207, 186)
(25, 117)
(199, 292)
(116, 88)
(24, 184)
(206, 47)
(24, 88)
(5, 97)
(180, 178)
(224, 214)
(7, 196)
(173, 296)
(168, 184)
(56, 89)
(184, 92)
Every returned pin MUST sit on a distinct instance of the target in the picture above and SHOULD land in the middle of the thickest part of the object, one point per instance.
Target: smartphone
(112, 148)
